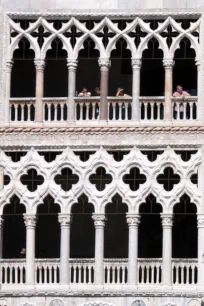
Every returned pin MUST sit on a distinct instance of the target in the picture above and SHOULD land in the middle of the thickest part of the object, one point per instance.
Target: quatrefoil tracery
(134, 179)
(66, 179)
(100, 179)
(32, 180)
(168, 179)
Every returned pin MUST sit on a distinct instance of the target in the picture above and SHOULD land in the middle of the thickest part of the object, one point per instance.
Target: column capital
(30, 220)
(104, 63)
(72, 63)
(39, 64)
(136, 63)
(167, 220)
(200, 220)
(9, 65)
(133, 219)
(99, 220)
(65, 219)
(168, 63)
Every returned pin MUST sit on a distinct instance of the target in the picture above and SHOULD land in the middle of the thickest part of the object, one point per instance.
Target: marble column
(99, 222)
(30, 223)
(133, 224)
(200, 219)
(1, 236)
(167, 223)
(136, 68)
(168, 67)
(39, 90)
(65, 222)
(199, 91)
(72, 68)
(104, 64)
(9, 65)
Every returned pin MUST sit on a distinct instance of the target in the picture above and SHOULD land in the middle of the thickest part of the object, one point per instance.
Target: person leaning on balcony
(179, 93)
(22, 253)
(84, 93)
(121, 93)
(97, 91)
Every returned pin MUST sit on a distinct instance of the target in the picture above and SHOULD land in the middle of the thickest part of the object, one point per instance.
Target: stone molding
(64, 219)
(168, 63)
(167, 220)
(30, 220)
(99, 220)
(133, 220)
(39, 64)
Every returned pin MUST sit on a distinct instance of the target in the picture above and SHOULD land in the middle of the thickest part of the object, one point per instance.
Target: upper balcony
(49, 63)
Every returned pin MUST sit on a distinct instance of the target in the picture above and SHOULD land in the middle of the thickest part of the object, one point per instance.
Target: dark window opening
(49, 156)
(15, 156)
(134, 179)
(48, 229)
(116, 229)
(82, 237)
(184, 235)
(84, 155)
(66, 179)
(186, 155)
(152, 155)
(150, 229)
(118, 155)
(14, 233)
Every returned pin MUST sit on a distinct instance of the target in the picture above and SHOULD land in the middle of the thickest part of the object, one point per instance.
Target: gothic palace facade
(105, 192)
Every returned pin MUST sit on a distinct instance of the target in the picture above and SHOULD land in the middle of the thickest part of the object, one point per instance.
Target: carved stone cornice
(99, 220)
(168, 63)
(39, 64)
(200, 220)
(136, 63)
(65, 220)
(133, 220)
(80, 130)
(104, 63)
(9, 65)
(167, 220)
(72, 64)
(30, 220)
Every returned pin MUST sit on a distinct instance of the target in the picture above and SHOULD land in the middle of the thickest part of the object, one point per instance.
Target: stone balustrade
(55, 110)
(47, 271)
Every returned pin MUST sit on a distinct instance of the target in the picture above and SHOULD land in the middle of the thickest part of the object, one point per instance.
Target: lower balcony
(87, 110)
(82, 272)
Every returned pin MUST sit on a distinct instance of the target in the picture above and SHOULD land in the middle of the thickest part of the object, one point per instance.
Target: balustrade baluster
(148, 276)
(16, 275)
(89, 274)
(152, 111)
(114, 110)
(178, 110)
(120, 104)
(108, 275)
(123, 275)
(40, 274)
(10, 275)
(157, 274)
(22, 275)
(158, 111)
(74, 271)
(81, 111)
(55, 275)
(80, 270)
(145, 111)
(49, 112)
(87, 110)
(15, 112)
(55, 111)
(62, 106)
(46, 273)
(187, 274)
(191, 110)
(22, 111)
(182, 274)
(93, 117)
(29, 111)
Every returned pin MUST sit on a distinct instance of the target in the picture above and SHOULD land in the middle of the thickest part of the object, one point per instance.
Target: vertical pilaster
(9, 65)
(104, 64)
(168, 88)
(99, 222)
(200, 219)
(72, 68)
(136, 68)
(30, 223)
(133, 224)
(167, 223)
(65, 222)
(39, 91)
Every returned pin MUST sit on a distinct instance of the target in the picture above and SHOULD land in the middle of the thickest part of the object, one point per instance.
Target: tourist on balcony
(84, 93)
(22, 253)
(179, 93)
(121, 93)
(97, 91)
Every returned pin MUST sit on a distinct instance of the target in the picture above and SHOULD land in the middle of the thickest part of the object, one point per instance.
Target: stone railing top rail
(185, 260)
(185, 99)
(13, 261)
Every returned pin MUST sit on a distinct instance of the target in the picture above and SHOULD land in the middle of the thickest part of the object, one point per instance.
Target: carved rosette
(39, 64)
(72, 64)
(64, 219)
(168, 63)
(133, 220)
(167, 220)
(99, 220)
(136, 63)
(30, 220)
(200, 221)
(104, 64)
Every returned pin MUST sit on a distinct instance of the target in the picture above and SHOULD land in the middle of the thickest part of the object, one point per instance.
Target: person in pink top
(179, 93)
